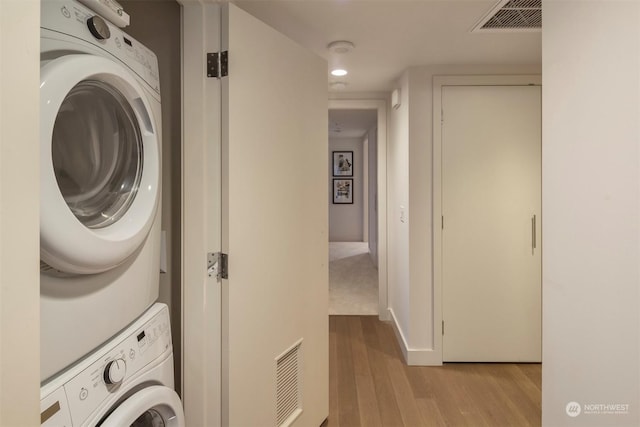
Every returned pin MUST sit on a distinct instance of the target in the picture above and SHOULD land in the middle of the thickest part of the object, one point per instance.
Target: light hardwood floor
(369, 385)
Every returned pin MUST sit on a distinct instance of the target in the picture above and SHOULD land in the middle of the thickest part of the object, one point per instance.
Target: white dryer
(128, 382)
(100, 182)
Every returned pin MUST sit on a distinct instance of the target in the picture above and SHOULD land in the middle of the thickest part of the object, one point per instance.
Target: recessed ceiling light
(339, 72)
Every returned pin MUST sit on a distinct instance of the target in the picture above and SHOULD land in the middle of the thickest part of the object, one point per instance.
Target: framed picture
(343, 163)
(342, 191)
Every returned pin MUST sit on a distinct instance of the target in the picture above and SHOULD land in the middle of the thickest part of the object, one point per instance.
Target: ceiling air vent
(512, 16)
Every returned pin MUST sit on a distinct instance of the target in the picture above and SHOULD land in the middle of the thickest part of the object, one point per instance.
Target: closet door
(491, 203)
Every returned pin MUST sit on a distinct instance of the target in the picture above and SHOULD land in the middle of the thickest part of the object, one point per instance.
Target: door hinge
(442, 223)
(218, 64)
(217, 265)
(443, 327)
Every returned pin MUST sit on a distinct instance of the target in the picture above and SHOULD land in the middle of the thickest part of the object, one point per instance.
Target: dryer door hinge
(218, 64)
(217, 265)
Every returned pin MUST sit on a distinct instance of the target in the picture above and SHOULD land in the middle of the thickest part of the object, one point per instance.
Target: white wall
(365, 96)
(591, 210)
(346, 220)
(19, 213)
(398, 195)
(410, 170)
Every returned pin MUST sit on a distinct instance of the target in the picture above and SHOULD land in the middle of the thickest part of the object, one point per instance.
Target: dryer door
(155, 406)
(100, 164)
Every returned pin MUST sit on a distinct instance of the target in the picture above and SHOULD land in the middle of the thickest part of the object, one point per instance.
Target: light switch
(403, 214)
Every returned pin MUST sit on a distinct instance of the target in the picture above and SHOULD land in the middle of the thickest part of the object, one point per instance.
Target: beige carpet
(353, 279)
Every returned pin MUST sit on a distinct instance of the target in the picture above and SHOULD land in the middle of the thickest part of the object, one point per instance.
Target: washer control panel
(77, 393)
(75, 20)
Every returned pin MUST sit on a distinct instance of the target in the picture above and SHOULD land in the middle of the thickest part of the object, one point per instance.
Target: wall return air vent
(512, 16)
(289, 385)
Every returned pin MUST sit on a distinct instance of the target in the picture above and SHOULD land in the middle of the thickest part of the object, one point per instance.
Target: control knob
(98, 28)
(114, 371)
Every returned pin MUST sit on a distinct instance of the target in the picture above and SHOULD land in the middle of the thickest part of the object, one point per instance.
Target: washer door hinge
(218, 64)
(217, 265)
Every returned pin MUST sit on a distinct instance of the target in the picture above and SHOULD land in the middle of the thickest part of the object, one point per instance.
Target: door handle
(533, 234)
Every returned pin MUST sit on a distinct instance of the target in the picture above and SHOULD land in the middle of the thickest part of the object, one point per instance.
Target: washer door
(100, 165)
(155, 406)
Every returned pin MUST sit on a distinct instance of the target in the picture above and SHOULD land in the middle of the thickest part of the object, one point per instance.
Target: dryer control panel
(74, 20)
(87, 387)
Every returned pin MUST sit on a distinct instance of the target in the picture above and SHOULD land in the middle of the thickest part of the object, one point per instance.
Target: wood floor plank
(404, 394)
(405, 398)
(367, 400)
(517, 399)
(334, 395)
(358, 347)
(490, 396)
(533, 372)
(387, 404)
(430, 412)
(528, 387)
(419, 386)
(349, 414)
(453, 399)
(371, 385)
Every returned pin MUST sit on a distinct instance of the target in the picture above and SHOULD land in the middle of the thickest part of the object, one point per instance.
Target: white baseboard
(414, 356)
(384, 315)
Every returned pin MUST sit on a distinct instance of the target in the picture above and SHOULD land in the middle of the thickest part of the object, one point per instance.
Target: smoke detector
(340, 47)
(338, 85)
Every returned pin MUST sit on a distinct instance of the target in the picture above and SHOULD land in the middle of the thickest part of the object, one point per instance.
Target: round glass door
(97, 153)
(100, 164)
(150, 418)
(153, 406)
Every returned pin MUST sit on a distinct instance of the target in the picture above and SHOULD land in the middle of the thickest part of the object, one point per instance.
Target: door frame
(381, 107)
(438, 83)
(201, 216)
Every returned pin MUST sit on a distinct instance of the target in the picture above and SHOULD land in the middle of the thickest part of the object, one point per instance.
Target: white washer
(128, 382)
(100, 182)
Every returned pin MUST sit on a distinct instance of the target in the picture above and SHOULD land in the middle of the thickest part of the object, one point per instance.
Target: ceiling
(389, 37)
(392, 35)
(351, 123)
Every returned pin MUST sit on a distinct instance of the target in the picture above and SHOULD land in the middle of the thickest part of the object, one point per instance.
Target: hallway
(369, 384)
(353, 279)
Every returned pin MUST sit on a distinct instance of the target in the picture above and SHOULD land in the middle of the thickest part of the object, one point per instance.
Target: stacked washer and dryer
(106, 349)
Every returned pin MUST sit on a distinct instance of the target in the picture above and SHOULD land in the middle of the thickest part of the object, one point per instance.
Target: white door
(274, 228)
(491, 196)
(255, 188)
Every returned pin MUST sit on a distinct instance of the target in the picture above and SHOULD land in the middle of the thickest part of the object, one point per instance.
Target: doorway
(353, 277)
(357, 208)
